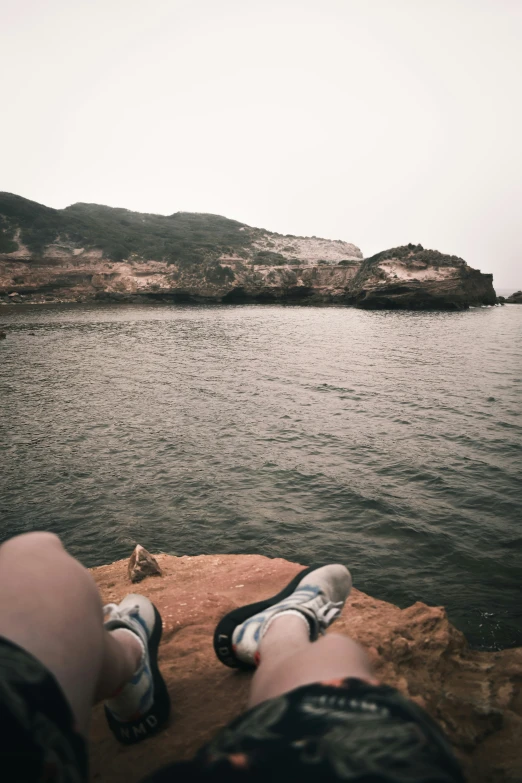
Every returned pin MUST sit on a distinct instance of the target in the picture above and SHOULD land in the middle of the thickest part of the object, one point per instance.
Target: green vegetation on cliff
(182, 238)
(212, 258)
(7, 243)
(269, 258)
(414, 253)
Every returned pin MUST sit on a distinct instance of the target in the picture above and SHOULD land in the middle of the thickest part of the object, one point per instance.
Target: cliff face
(475, 696)
(87, 276)
(88, 252)
(414, 278)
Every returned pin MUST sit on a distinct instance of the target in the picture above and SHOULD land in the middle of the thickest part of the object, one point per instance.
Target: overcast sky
(380, 122)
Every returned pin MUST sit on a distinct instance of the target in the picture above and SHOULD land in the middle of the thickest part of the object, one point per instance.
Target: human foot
(315, 594)
(141, 707)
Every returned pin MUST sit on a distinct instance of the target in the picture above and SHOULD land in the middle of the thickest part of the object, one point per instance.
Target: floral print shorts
(38, 741)
(345, 730)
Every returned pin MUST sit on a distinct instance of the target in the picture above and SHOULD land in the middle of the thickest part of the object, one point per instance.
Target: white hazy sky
(380, 122)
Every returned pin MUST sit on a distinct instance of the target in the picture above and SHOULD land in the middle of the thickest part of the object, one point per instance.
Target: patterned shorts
(38, 741)
(339, 731)
(345, 730)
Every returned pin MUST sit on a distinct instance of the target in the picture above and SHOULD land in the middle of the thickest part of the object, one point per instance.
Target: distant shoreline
(17, 306)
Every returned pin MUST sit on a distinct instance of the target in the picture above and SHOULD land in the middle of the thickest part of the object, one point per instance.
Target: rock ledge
(476, 696)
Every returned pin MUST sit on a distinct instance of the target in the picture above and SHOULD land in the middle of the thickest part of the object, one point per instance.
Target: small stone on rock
(142, 564)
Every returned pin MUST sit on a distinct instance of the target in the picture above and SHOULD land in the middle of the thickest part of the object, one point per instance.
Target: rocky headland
(475, 696)
(515, 298)
(88, 252)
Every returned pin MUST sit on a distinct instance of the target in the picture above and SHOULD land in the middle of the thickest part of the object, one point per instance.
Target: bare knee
(349, 654)
(337, 644)
(330, 659)
(41, 578)
(37, 541)
(40, 558)
(341, 642)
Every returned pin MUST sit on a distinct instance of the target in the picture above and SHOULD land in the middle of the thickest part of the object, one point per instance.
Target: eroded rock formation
(476, 696)
(90, 252)
(515, 298)
(411, 277)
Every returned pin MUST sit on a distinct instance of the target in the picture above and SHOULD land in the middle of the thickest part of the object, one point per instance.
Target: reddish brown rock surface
(476, 696)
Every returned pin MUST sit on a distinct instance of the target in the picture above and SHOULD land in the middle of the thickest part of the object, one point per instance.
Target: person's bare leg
(288, 659)
(50, 606)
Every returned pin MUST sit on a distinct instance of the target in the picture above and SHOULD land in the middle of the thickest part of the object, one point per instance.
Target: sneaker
(317, 594)
(142, 706)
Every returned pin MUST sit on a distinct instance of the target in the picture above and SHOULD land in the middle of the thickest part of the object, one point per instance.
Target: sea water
(389, 441)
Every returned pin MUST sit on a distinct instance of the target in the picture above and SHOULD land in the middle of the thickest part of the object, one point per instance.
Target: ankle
(286, 634)
(132, 648)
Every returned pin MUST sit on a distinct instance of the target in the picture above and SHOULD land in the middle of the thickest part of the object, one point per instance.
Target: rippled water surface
(389, 441)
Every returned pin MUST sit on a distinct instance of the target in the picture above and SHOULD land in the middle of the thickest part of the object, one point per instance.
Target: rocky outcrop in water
(90, 252)
(515, 298)
(413, 278)
(476, 696)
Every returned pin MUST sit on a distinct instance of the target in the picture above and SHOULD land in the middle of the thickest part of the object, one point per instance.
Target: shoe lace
(328, 613)
(114, 612)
